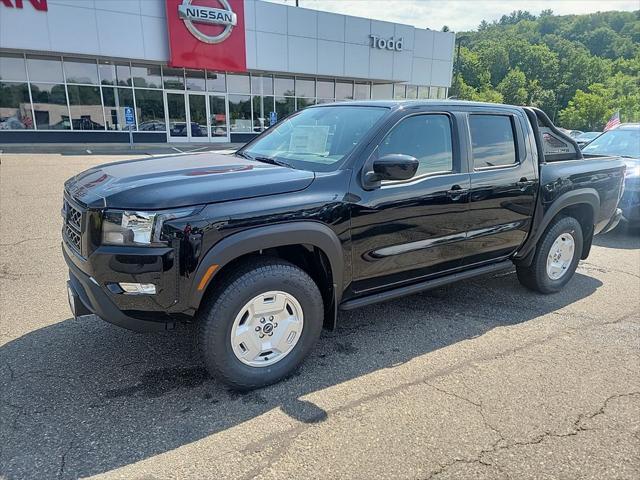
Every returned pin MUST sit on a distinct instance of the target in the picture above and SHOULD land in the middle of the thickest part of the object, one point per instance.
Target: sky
(458, 15)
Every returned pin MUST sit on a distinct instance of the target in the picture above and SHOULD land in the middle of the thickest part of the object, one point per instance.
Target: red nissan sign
(207, 34)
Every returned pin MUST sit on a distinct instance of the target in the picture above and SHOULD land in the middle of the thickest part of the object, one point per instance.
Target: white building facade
(196, 70)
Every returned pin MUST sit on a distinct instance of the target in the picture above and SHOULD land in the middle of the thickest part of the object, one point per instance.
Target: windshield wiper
(272, 161)
(243, 155)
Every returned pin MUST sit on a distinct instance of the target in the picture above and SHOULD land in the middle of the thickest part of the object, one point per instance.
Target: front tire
(556, 258)
(263, 321)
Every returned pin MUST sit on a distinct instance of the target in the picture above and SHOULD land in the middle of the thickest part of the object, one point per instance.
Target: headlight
(137, 228)
(632, 171)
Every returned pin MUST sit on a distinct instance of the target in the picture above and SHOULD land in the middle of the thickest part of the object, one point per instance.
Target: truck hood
(182, 180)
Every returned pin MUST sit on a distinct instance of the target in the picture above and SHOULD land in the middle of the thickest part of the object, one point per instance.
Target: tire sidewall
(565, 225)
(216, 342)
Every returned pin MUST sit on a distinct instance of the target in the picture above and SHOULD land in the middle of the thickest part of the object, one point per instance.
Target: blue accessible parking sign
(129, 118)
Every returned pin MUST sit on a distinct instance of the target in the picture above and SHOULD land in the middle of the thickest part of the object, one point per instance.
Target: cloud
(458, 15)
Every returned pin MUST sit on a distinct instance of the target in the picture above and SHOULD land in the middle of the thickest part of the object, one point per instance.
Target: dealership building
(196, 70)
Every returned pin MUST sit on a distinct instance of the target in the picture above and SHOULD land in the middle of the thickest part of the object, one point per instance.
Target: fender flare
(588, 196)
(280, 235)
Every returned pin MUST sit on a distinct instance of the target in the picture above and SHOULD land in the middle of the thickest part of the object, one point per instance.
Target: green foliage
(578, 68)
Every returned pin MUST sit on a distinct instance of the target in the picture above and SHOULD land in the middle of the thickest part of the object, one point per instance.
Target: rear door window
(492, 141)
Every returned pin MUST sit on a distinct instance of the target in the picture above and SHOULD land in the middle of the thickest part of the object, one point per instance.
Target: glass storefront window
(173, 78)
(399, 91)
(442, 93)
(80, 71)
(304, 103)
(115, 99)
(238, 83)
(85, 106)
(412, 92)
(423, 92)
(284, 87)
(240, 113)
(15, 106)
(433, 92)
(12, 68)
(107, 72)
(262, 84)
(362, 91)
(216, 82)
(217, 115)
(146, 76)
(262, 106)
(45, 69)
(325, 89)
(150, 110)
(50, 106)
(382, 91)
(325, 100)
(344, 90)
(285, 106)
(195, 80)
(305, 88)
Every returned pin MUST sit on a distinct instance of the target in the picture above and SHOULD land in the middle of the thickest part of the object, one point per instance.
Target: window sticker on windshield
(310, 139)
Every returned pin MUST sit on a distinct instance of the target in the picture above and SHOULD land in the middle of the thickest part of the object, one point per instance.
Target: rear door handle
(523, 183)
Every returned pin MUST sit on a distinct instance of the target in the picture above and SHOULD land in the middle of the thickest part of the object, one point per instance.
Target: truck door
(504, 185)
(404, 230)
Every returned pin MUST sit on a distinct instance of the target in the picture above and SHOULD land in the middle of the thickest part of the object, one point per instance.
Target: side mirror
(394, 166)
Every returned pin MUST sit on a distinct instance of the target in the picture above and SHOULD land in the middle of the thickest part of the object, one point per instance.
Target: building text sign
(207, 34)
(386, 43)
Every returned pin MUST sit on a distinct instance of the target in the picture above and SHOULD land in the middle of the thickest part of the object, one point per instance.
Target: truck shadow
(622, 237)
(83, 397)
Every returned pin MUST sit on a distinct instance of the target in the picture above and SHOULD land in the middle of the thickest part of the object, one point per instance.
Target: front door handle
(456, 192)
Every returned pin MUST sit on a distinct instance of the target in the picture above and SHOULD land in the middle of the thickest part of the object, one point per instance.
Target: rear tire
(556, 258)
(268, 297)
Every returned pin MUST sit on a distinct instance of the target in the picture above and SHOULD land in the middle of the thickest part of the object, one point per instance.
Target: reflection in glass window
(217, 116)
(492, 140)
(107, 71)
(216, 82)
(304, 103)
(305, 87)
(442, 93)
(123, 74)
(150, 106)
(115, 99)
(238, 83)
(412, 92)
(77, 70)
(50, 106)
(45, 69)
(382, 91)
(285, 106)
(146, 76)
(325, 100)
(423, 92)
(240, 113)
(195, 80)
(15, 106)
(425, 137)
(262, 106)
(326, 89)
(173, 78)
(399, 91)
(85, 106)
(12, 68)
(433, 92)
(362, 91)
(284, 86)
(344, 91)
(262, 84)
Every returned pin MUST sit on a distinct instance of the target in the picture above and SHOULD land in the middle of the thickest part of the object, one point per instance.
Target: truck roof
(425, 102)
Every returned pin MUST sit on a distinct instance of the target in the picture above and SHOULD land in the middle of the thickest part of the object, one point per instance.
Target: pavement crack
(63, 460)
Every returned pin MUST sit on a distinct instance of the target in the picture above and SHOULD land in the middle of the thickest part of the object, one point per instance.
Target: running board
(426, 285)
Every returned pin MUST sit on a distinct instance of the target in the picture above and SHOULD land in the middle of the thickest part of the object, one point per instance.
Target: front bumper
(89, 297)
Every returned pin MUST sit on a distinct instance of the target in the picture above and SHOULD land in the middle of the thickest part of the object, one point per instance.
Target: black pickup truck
(336, 207)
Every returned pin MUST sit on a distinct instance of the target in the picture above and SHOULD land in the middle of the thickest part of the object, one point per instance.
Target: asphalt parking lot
(482, 379)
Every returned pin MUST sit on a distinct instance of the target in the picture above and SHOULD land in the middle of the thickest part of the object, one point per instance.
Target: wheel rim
(267, 329)
(560, 256)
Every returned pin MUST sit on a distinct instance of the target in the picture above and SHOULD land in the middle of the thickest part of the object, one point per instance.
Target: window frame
(456, 165)
(516, 141)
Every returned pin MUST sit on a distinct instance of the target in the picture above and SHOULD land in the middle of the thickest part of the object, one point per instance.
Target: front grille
(72, 229)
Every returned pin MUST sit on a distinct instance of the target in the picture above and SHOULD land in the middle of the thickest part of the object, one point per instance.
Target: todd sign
(207, 34)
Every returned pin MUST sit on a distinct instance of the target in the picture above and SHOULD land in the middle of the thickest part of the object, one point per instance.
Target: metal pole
(131, 137)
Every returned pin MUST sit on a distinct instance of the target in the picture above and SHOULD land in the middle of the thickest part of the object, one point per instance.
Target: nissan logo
(196, 14)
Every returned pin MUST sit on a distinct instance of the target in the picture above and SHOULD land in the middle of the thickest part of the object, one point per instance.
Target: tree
(513, 87)
(588, 110)
(445, 28)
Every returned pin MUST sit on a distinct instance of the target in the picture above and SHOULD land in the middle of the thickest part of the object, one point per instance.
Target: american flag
(613, 122)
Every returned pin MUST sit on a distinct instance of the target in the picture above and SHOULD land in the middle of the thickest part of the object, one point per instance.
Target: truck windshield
(625, 143)
(317, 138)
